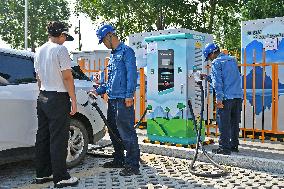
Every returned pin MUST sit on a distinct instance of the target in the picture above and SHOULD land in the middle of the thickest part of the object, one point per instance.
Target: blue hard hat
(209, 48)
(103, 31)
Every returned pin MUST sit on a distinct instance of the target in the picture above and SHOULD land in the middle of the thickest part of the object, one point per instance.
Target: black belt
(53, 92)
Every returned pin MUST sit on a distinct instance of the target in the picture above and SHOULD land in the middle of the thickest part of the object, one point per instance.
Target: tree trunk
(203, 15)
(160, 19)
(212, 13)
(33, 47)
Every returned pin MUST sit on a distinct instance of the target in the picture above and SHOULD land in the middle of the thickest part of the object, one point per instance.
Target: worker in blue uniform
(120, 88)
(226, 81)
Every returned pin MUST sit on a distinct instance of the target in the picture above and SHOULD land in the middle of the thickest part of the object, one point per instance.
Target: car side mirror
(82, 97)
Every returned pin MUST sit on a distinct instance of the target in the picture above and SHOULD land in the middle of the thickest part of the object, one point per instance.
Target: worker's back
(230, 75)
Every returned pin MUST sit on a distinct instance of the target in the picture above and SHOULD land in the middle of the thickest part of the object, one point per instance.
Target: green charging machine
(170, 85)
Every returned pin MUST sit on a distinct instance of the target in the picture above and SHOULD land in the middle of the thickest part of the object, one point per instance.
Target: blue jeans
(122, 133)
(228, 119)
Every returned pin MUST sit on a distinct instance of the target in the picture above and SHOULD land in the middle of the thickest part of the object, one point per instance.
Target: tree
(40, 12)
(258, 9)
(181, 106)
(222, 19)
(134, 16)
(167, 109)
(227, 26)
(149, 107)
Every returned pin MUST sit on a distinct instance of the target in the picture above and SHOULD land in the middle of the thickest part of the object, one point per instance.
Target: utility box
(170, 85)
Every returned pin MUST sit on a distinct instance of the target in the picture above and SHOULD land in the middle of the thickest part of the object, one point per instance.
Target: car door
(18, 94)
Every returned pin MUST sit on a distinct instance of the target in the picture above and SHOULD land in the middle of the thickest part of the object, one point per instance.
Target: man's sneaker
(234, 149)
(221, 151)
(42, 180)
(73, 181)
(113, 164)
(128, 171)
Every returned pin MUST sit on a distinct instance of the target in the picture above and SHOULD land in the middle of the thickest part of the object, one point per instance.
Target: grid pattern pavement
(157, 171)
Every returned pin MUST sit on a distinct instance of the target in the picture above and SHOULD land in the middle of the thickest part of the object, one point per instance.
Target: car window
(16, 69)
(78, 74)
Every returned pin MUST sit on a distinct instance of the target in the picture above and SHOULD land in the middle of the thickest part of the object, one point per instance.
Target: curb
(247, 162)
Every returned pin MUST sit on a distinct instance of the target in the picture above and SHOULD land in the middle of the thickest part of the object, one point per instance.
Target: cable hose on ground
(94, 104)
(199, 142)
(141, 118)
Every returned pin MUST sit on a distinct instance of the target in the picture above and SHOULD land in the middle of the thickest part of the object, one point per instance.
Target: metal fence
(91, 69)
(262, 115)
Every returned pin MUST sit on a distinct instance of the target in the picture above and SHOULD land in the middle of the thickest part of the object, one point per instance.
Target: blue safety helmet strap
(209, 48)
(103, 31)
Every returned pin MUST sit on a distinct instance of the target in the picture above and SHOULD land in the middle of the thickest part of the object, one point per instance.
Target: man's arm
(69, 84)
(65, 66)
(131, 71)
(38, 81)
(100, 85)
(217, 82)
(36, 66)
(208, 78)
(101, 89)
(3, 81)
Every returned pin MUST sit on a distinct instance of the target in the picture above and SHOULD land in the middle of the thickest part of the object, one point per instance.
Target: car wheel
(77, 143)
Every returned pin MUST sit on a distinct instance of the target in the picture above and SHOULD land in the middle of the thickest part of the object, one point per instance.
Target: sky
(88, 34)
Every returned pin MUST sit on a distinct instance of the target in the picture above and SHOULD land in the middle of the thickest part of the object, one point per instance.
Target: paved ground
(267, 156)
(257, 165)
(268, 149)
(156, 172)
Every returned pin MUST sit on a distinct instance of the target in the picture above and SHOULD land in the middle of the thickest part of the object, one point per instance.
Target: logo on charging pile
(198, 37)
(166, 54)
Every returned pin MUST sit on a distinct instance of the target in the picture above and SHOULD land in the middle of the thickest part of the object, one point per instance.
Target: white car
(18, 116)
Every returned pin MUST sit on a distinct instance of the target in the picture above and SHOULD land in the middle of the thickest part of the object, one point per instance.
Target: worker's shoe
(113, 164)
(221, 151)
(41, 180)
(235, 149)
(128, 171)
(73, 181)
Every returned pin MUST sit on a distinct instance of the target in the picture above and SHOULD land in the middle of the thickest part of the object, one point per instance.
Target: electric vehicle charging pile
(170, 59)
(175, 93)
(173, 96)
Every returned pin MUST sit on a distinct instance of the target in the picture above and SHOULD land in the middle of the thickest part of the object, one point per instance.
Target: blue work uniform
(226, 81)
(121, 84)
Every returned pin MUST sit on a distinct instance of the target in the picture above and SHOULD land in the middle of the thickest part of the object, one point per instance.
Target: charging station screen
(165, 69)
